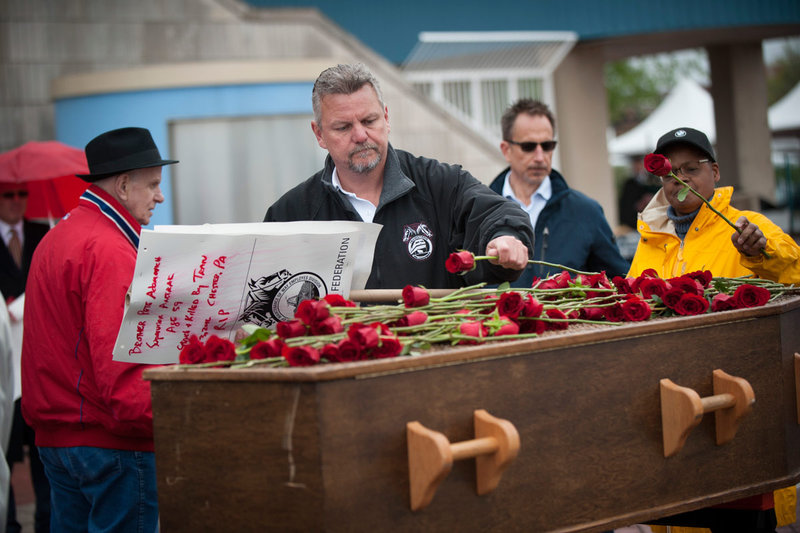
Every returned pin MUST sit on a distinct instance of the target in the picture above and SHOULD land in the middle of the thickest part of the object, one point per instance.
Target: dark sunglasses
(547, 146)
(9, 195)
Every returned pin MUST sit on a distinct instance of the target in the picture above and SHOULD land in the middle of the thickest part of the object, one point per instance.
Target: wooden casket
(325, 448)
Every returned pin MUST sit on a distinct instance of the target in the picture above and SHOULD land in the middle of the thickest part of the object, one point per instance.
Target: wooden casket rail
(324, 448)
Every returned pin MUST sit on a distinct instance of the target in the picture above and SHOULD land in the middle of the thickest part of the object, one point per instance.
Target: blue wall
(391, 28)
(79, 120)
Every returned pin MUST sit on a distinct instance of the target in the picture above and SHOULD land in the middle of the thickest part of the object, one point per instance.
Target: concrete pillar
(739, 89)
(581, 120)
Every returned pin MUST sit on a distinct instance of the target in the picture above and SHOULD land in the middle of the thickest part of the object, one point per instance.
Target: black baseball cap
(688, 136)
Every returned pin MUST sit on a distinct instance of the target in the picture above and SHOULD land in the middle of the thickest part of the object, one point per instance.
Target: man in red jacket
(92, 415)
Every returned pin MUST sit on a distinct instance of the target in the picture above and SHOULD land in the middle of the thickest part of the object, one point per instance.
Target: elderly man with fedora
(92, 415)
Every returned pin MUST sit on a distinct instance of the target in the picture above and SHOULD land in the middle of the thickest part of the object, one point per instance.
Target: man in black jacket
(428, 209)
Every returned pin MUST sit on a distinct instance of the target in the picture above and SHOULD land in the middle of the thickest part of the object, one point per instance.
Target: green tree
(635, 86)
(784, 73)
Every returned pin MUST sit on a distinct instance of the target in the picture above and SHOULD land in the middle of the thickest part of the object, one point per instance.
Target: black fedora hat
(118, 151)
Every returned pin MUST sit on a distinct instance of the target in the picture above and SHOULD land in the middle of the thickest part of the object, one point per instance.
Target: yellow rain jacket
(707, 245)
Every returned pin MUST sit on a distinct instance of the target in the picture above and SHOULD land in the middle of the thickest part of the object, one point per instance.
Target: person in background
(636, 192)
(6, 404)
(569, 227)
(428, 209)
(92, 415)
(19, 239)
(682, 236)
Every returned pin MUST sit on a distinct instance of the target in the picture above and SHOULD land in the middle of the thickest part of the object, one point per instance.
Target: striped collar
(114, 211)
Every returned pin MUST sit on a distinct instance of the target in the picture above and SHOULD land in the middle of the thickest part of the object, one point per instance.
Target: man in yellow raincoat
(678, 237)
(682, 236)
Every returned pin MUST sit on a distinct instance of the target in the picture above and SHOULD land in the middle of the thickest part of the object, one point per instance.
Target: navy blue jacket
(428, 210)
(572, 231)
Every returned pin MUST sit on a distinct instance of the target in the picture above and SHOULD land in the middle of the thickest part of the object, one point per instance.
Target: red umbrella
(49, 169)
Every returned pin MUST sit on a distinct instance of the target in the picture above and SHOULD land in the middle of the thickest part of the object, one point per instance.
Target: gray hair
(342, 79)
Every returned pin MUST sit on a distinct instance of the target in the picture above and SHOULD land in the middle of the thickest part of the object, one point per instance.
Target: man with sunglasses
(680, 236)
(20, 237)
(569, 227)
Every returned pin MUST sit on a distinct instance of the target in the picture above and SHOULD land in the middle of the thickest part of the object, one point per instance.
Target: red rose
(646, 274)
(460, 262)
(329, 352)
(548, 284)
(327, 326)
(635, 310)
(623, 285)
(532, 307)
(349, 350)
(507, 328)
(558, 315)
(691, 304)
(703, 277)
(527, 325)
(592, 313)
(301, 355)
(750, 296)
(310, 311)
(563, 279)
(415, 296)
(657, 164)
(192, 353)
(672, 297)
(414, 318)
(389, 347)
(290, 328)
(649, 273)
(218, 349)
(595, 280)
(510, 304)
(723, 302)
(337, 300)
(687, 284)
(472, 328)
(365, 336)
(650, 286)
(267, 349)
(614, 313)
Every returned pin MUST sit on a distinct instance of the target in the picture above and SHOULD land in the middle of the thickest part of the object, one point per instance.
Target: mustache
(363, 148)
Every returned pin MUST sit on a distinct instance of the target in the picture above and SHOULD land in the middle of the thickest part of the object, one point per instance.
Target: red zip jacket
(73, 393)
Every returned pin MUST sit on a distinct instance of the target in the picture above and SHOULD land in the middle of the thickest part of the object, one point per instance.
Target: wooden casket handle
(431, 455)
(682, 409)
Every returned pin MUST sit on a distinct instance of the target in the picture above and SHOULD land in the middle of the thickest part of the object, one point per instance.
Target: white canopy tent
(688, 104)
(785, 113)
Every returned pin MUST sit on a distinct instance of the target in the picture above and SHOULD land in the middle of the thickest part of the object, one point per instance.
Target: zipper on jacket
(545, 234)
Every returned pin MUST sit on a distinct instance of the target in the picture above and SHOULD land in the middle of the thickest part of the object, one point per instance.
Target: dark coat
(571, 231)
(12, 277)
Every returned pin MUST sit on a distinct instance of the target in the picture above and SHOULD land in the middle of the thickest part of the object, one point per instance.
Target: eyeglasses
(690, 169)
(547, 146)
(9, 195)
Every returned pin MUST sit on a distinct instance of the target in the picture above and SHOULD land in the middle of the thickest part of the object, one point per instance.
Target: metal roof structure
(523, 50)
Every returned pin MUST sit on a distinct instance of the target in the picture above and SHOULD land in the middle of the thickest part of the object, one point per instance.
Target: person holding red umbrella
(19, 239)
(92, 415)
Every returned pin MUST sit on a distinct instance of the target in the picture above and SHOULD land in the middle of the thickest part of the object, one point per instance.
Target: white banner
(210, 279)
